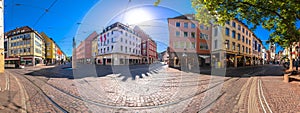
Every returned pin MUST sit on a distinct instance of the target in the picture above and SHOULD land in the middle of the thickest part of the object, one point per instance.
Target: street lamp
(184, 55)
(297, 59)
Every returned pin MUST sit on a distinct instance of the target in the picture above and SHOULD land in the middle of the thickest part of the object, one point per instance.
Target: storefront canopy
(204, 56)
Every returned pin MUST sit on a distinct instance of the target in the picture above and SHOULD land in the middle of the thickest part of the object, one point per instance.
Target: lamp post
(226, 47)
(297, 57)
(184, 55)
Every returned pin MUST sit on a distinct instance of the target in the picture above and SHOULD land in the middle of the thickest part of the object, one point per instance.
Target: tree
(277, 16)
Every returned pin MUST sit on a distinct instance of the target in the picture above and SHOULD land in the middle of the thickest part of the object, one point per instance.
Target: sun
(136, 16)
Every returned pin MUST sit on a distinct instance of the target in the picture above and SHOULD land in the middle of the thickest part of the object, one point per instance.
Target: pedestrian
(297, 63)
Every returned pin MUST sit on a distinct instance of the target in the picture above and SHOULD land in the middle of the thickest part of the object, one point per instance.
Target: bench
(291, 75)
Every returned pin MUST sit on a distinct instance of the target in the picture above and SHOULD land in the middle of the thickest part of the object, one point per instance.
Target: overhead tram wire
(46, 11)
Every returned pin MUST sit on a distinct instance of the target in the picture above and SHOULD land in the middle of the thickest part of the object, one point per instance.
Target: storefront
(118, 59)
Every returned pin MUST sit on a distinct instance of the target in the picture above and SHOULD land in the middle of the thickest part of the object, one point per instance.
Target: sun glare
(136, 16)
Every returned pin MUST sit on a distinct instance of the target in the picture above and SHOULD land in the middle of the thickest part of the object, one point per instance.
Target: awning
(12, 59)
(204, 56)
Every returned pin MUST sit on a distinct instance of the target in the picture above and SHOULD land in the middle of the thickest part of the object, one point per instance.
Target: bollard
(286, 78)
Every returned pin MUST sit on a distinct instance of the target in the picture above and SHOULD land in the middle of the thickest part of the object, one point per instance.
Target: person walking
(296, 63)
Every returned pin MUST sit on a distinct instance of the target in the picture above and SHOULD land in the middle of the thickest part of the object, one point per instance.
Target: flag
(101, 38)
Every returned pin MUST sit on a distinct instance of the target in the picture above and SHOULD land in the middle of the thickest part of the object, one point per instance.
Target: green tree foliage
(277, 16)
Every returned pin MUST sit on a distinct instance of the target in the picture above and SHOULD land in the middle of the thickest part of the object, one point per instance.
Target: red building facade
(148, 47)
(190, 42)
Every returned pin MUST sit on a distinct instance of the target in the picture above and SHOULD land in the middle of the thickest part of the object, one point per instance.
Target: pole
(1, 37)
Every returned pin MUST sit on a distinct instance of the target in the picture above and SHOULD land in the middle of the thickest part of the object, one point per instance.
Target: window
(246, 32)
(239, 36)
(125, 41)
(177, 24)
(243, 30)
(216, 44)
(203, 46)
(185, 34)
(233, 34)
(249, 42)
(101, 50)
(186, 25)
(216, 31)
(227, 31)
(188, 45)
(203, 36)
(243, 38)
(121, 48)
(239, 27)
(227, 44)
(182, 44)
(249, 50)
(233, 24)
(243, 48)
(233, 45)
(239, 47)
(112, 48)
(178, 33)
(228, 22)
(193, 34)
(193, 26)
(193, 45)
(246, 49)
(175, 45)
(121, 39)
(126, 49)
(246, 40)
(201, 26)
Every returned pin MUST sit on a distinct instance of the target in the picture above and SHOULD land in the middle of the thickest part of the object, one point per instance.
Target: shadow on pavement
(247, 71)
(92, 70)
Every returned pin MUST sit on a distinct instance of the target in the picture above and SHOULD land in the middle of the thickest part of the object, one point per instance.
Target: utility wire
(46, 10)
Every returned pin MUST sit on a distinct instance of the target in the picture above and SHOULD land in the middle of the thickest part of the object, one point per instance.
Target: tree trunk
(291, 59)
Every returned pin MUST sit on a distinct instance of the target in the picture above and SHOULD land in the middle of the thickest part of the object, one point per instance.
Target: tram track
(34, 80)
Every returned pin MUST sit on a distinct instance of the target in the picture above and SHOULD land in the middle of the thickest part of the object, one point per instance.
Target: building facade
(25, 45)
(257, 51)
(190, 42)
(50, 49)
(2, 37)
(94, 49)
(232, 44)
(84, 49)
(148, 47)
(272, 48)
(118, 44)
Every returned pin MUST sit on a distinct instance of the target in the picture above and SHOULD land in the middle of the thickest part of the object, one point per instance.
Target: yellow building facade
(50, 49)
(95, 47)
(233, 45)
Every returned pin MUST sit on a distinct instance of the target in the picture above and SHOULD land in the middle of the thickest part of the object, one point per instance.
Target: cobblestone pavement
(11, 94)
(282, 97)
(153, 88)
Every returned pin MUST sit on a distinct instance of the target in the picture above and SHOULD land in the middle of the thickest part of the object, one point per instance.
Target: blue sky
(74, 18)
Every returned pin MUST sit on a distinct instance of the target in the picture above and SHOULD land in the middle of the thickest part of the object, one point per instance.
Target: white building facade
(118, 45)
